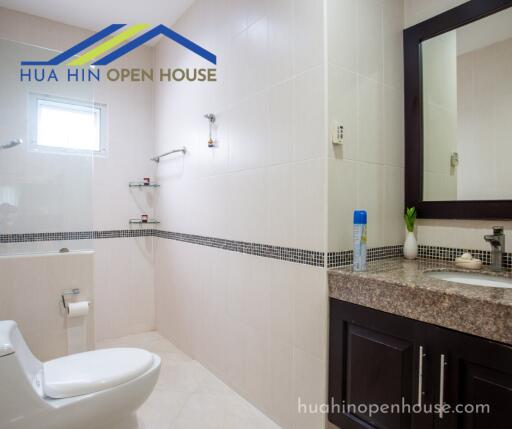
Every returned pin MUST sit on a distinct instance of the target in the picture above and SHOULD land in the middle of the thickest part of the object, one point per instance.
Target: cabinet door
(373, 361)
(477, 371)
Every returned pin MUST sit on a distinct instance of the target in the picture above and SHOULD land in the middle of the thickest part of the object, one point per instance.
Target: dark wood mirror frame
(413, 36)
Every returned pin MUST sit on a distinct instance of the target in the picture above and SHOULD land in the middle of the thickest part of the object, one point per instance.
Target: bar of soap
(465, 257)
(471, 264)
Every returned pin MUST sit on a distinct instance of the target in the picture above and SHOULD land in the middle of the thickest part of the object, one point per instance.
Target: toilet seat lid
(89, 372)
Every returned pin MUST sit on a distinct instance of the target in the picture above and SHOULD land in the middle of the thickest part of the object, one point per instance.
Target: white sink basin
(471, 278)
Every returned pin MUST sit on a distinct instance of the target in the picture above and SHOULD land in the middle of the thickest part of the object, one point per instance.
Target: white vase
(410, 246)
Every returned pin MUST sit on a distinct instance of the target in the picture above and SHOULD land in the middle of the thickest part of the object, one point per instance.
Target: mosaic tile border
(450, 253)
(75, 235)
(299, 256)
(345, 258)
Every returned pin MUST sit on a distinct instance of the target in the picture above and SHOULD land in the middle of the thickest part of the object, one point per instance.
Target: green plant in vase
(410, 245)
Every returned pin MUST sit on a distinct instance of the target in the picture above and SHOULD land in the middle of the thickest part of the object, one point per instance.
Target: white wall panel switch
(337, 134)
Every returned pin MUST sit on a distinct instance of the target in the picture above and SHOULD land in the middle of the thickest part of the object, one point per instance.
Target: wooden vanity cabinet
(380, 358)
(478, 371)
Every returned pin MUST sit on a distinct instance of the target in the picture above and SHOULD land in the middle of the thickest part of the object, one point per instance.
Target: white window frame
(81, 105)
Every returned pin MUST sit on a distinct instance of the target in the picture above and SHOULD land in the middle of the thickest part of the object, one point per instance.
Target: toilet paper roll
(76, 309)
(76, 328)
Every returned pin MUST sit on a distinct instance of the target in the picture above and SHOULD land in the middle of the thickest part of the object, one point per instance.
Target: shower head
(12, 143)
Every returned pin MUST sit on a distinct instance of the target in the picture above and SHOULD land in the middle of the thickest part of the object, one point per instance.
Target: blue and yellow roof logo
(115, 47)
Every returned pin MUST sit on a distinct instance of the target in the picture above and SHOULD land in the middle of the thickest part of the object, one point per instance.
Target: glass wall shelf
(139, 222)
(142, 185)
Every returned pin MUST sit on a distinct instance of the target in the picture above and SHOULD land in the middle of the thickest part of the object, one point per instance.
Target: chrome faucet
(497, 241)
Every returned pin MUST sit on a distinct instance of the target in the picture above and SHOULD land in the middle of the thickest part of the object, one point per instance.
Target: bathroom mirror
(458, 112)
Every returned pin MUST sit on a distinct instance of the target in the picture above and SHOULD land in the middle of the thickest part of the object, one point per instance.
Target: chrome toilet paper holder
(70, 292)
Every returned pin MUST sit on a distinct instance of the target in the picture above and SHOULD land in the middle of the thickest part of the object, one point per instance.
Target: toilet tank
(11, 341)
(18, 370)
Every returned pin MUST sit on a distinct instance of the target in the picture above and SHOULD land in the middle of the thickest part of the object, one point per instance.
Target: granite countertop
(400, 287)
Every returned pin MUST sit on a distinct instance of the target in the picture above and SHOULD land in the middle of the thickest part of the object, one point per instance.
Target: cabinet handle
(441, 385)
(420, 376)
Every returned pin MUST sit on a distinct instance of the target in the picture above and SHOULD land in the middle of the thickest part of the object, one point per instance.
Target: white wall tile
(238, 73)
(309, 189)
(370, 56)
(249, 136)
(283, 403)
(392, 26)
(256, 369)
(307, 35)
(30, 295)
(237, 11)
(255, 10)
(310, 301)
(309, 387)
(371, 188)
(257, 55)
(123, 282)
(393, 207)
(343, 101)
(281, 205)
(280, 142)
(257, 296)
(420, 10)
(308, 115)
(393, 128)
(342, 33)
(467, 234)
(280, 38)
(343, 191)
(371, 146)
(247, 202)
(282, 286)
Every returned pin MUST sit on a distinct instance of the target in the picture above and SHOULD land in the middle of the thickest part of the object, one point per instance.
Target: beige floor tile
(181, 376)
(187, 395)
(161, 409)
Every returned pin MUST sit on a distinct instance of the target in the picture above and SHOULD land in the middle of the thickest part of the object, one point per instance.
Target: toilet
(84, 390)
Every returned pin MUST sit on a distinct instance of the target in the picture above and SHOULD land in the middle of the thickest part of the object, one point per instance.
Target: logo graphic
(97, 56)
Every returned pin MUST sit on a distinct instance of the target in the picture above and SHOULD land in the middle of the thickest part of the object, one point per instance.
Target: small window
(60, 125)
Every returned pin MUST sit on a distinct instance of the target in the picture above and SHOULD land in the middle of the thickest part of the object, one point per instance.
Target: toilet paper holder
(70, 292)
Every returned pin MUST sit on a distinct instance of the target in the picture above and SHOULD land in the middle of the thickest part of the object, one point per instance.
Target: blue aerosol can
(360, 246)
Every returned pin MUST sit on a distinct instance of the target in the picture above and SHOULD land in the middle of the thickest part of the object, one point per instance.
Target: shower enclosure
(50, 132)
(45, 181)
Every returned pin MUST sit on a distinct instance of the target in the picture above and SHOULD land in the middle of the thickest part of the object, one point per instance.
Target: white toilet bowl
(86, 390)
